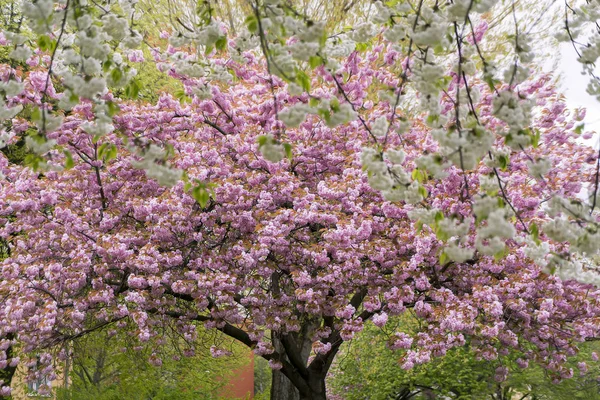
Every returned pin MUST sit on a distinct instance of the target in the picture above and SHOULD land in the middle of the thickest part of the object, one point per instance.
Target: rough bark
(316, 383)
(281, 387)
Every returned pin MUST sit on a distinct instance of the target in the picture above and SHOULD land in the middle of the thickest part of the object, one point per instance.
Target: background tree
(367, 368)
(109, 365)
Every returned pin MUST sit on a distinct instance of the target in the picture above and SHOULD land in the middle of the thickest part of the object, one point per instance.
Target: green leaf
(503, 161)
(441, 235)
(288, 150)
(303, 80)
(360, 47)
(132, 90)
(252, 23)
(200, 194)
(106, 66)
(185, 178)
(419, 175)
(36, 114)
(96, 138)
(438, 49)
(535, 233)
(113, 108)
(107, 152)
(221, 43)
(262, 140)
(489, 79)
(44, 42)
(69, 163)
(535, 138)
(579, 128)
(116, 74)
(111, 153)
(431, 118)
(169, 149)
(439, 216)
(501, 254)
(334, 103)
(326, 115)
(315, 61)
(34, 161)
(204, 11)
(444, 259)
(419, 226)
(102, 149)
(179, 94)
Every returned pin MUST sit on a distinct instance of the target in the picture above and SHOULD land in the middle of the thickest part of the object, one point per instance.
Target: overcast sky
(574, 86)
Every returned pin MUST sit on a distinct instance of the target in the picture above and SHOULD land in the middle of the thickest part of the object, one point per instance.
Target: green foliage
(583, 386)
(262, 379)
(17, 152)
(368, 369)
(106, 367)
(150, 83)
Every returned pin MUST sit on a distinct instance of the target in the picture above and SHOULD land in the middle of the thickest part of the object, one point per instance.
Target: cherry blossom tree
(290, 255)
(300, 183)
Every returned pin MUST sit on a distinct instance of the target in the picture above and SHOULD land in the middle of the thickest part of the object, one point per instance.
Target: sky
(574, 86)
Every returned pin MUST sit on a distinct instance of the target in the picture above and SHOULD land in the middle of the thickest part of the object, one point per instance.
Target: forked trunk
(282, 387)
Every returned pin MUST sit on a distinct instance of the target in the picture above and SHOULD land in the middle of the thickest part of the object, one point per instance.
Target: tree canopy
(300, 179)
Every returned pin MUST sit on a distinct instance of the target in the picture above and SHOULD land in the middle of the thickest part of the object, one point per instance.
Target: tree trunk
(317, 388)
(281, 387)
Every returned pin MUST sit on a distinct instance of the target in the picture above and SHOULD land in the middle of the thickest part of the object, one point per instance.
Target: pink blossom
(135, 56)
(380, 319)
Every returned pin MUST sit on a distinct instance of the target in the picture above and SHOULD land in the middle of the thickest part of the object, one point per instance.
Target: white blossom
(5, 138)
(380, 126)
(396, 156)
(362, 32)
(540, 167)
(293, 116)
(424, 215)
(458, 254)
(38, 13)
(483, 206)
(40, 147)
(163, 174)
(115, 26)
(434, 165)
(20, 53)
(8, 112)
(272, 150)
(12, 88)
